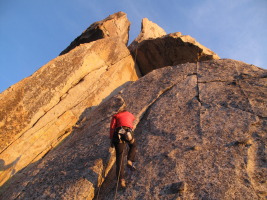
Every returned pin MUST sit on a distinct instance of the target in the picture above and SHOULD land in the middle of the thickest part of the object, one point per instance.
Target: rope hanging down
(119, 175)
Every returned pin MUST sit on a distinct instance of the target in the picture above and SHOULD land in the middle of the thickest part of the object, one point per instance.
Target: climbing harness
(124, 134)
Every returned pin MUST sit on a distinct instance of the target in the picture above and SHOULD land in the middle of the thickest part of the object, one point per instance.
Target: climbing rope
(119, 175)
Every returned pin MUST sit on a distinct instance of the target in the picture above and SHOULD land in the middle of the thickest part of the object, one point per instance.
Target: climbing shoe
(131, 165)
(123, 183)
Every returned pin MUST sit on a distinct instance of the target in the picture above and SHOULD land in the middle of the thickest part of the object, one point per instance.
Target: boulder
(201, 133)
(115, 25)
(153, 49)
(40, 111)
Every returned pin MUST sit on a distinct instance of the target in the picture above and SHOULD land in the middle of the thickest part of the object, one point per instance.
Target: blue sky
(33, 32)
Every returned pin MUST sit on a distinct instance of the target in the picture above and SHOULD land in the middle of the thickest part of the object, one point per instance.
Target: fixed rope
(119, 175)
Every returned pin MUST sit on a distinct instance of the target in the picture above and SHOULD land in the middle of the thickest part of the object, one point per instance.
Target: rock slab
(201, 130)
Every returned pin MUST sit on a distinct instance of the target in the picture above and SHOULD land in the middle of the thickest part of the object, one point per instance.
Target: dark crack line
(241, 89)
(144, 112)
(198, 90)
(199, 100)
(215, 81)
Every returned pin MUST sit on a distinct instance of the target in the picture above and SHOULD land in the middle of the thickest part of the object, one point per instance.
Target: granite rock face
(201, 132)
(153, 49)
(200, 121)
(41, 110)
(116, 25)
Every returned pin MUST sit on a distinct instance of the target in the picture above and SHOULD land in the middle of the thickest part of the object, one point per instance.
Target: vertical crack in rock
(142, 112)
(139, 117)
(199, 99)
(198, 91)
(219, 105)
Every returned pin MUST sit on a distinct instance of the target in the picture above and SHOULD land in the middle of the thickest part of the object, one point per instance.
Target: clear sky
(33, 32)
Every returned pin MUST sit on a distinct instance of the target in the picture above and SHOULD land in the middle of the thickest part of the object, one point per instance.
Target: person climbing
(121, 133)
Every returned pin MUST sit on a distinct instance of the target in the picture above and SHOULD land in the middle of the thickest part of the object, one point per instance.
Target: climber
(121, 133)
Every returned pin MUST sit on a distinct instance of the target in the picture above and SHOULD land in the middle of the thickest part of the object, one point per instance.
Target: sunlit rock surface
(200, 121)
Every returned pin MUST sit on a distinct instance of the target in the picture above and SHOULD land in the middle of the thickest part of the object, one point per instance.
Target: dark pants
(120, 152)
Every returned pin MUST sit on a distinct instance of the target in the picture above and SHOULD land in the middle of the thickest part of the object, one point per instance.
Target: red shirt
(124, 118)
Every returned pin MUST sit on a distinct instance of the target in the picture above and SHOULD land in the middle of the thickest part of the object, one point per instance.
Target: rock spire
(116, 25)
